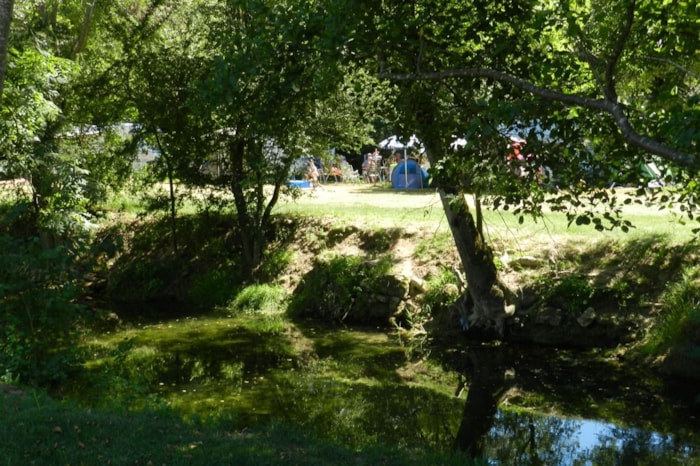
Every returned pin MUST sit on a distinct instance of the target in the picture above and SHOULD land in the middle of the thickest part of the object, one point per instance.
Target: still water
(513, 405)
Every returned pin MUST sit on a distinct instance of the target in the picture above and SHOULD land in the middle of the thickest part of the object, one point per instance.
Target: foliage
(214, 287)
(206, 272)
(441, 291)
(572, 79)
(68, 164)
(262, 299)
(40, 315)
(679, 323)
(300, 105)
(572, 293)
(340, 288)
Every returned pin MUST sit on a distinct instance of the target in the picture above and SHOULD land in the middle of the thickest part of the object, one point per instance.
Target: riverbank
(206, 349)
(625, 294)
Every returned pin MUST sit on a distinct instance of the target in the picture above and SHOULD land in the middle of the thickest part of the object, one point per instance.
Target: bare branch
(613, 108)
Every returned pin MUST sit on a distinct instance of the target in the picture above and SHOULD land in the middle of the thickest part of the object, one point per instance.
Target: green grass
(264, 299)
(679, 322)
(372, 205)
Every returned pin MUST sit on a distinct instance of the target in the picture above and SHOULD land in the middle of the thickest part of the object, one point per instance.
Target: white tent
(393, 143)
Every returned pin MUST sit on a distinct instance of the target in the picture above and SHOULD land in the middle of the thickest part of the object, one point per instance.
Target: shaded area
(490, 380)
(361, 387)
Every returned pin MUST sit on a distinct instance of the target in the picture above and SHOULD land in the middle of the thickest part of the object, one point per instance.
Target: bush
(258, 298)
(573, 294)
(679, 324)
(214, 287)
(442, 290)
(349, 289)
(39, 314)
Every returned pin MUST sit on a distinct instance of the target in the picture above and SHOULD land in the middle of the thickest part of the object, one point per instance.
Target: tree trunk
(489, 295)
(250, 233)
(5, 19)
(172, 201)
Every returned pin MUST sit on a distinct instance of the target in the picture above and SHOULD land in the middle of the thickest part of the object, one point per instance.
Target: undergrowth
(679, 320)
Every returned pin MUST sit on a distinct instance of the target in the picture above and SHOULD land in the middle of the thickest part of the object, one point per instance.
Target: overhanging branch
(613, 108)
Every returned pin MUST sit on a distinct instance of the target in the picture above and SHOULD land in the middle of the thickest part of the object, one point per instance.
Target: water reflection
(514, 437)
(530, 439)
(360, 387)
(490, 380)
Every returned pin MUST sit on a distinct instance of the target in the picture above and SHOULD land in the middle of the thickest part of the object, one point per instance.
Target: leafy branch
(612, 107)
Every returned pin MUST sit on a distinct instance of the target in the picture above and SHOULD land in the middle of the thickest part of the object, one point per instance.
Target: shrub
(572, 293)
(214, 287)
(258, 298)
(441, 290)
(39, 315)
(348, 288)
(679, 324)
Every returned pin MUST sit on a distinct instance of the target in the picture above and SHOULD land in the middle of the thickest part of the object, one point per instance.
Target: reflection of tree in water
(636, 447)
(490, 380)
(527, 439)
(509, 437)
(517, 438)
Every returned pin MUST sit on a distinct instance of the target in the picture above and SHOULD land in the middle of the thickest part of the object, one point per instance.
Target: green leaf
(583, 220)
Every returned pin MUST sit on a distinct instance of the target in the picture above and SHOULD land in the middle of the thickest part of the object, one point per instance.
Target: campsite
(349, 232)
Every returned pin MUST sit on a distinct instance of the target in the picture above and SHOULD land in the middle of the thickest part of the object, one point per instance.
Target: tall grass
(679, 322)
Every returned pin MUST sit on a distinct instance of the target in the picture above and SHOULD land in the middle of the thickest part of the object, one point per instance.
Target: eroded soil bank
(574, 291)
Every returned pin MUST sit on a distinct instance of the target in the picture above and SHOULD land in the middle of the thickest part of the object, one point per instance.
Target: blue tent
(408, 174)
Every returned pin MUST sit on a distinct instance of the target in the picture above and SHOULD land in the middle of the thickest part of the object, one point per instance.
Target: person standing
(312, 173)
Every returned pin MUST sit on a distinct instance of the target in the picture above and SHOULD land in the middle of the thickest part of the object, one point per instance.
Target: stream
(514, 405)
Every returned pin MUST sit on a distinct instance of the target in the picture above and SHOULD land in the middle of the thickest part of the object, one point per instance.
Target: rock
(393, 286)
(505, 260)
(451, 290)
(551, 317)
(526, 261)
(587, 317)
(416, 286)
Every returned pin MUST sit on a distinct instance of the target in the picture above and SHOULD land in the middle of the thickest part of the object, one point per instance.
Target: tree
(47, 141)
(158, 78)
(618, 77)
(275, 64)
(5, 20)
